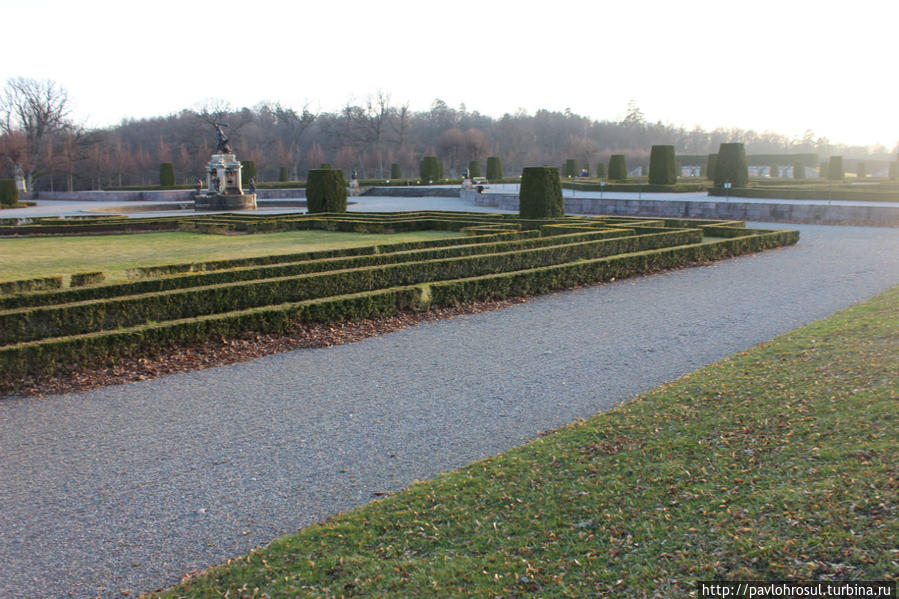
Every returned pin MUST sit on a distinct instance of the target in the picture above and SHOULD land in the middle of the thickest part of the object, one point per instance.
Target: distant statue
(354, 174)
(223, 147)
(252, 184)
(198, 183)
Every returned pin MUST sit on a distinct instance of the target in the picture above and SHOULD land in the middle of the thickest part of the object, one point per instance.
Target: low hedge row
(34, 323)
(83, 279)
(250, 273)
(632, 187)
(26, 285)
(78, 352)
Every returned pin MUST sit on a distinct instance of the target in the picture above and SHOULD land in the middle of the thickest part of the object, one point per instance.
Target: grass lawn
(781, 462)
(113, 254)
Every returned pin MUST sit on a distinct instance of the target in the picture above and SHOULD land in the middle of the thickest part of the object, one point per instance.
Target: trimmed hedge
(711, 162)
(69, 353)
(601, 170)
(396, 171)
(166, 174)
(540, 195)
(662, 167)
(283, 174)
(617, 168)
(894, 170)
(861, 169)
(83, 279)
(430, 169)
(494, 168)
(731, 166)
(35, 323)
(27, 285)
(474, 168)
(326, 191)
(247, 171)
(798, 170)
(835, 170)
(9, 193)
(570, 168)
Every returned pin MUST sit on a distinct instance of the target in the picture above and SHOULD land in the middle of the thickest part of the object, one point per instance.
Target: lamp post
(727, 190)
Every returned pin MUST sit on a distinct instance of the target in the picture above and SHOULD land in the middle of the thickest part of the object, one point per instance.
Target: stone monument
(20, 179)
(223, 188)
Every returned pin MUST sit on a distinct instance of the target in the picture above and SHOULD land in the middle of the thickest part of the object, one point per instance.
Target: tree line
(54, 152)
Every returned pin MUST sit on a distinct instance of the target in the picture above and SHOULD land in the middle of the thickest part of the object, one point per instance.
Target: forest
(55, 152)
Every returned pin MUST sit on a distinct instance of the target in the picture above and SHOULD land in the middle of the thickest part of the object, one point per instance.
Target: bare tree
(293, 126)
(38, 109)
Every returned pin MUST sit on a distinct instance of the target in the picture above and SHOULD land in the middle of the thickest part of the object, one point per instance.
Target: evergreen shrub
(894, 170)
(541, 193)
(861, 170)
(166, 174)
(731, 165)
(569, 169)
(247, 170)
(396, 171)
(9, 193)
(710, 167)
(617, 168)
(430, 169)
(601, 171)
(798, 170)
(326, 191)
(835, 170)
(283, 175)
(494, 168)
(474, 168)
(662, 167)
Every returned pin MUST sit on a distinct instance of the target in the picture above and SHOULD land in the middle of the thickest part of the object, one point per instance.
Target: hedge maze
(501, 255)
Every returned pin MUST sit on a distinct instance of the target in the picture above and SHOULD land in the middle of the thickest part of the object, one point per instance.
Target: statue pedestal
(353, 188)
(228, 201)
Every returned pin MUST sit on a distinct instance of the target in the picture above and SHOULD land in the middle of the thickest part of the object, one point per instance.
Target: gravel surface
(126, 488)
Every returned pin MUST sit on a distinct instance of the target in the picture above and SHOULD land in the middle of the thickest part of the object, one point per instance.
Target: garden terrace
(502, 256)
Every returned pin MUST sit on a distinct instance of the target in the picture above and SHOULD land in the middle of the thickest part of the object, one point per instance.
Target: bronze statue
(224, 146)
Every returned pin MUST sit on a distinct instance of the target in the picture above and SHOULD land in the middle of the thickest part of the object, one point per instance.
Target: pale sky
(784, 66)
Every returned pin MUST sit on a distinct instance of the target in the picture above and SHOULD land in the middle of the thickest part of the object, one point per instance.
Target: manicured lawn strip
(776, 463)
(42, 322)
(67, 354)
(115, 254)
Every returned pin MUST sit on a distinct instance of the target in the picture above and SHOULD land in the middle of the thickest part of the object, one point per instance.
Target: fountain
(223, 186)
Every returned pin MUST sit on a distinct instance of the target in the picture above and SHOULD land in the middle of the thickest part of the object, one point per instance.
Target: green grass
(31, 257)
(777, 463)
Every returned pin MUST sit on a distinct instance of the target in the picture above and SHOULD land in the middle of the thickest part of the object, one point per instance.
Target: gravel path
(126, 488)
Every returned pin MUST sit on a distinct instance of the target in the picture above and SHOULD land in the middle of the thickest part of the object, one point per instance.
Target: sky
(786, 66)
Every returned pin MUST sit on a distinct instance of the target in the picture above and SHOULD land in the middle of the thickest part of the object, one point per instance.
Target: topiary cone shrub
(474, 168)
(601, 170)
(798, 170)
(9, 193)
(326, 191)
(894, 170)
(835, 170)
(396, 171)
(731, 165)
(861, 170)
(282, 174)
(494, 169)
(617, 168)
(166, 174)
(541, 193)
(569, 169)
(247, 171)
(662, 167)
(710, 167)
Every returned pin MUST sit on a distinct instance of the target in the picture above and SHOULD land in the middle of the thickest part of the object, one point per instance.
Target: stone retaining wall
(821, 214)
